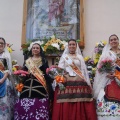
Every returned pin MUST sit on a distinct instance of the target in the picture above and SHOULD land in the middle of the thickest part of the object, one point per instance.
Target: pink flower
(118, 110)
(100, 104)
(16, 73)
(53, 66)
(47, 70)
(104, 61)
(106, 65)
(23, 74)
(19, 72)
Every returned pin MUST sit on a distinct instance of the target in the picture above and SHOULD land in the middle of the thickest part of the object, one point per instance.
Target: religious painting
(45, 18)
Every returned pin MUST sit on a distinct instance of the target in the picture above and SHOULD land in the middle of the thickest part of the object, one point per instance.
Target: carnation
(106, 66)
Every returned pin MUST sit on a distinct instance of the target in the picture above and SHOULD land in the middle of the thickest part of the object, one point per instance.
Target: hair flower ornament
(35, 42)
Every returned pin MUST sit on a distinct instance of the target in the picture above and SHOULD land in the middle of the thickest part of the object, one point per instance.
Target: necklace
(72, 54)
(116, 50)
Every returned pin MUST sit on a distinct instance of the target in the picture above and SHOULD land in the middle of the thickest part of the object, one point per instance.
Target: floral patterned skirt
(7, 102)
(108, 109)
(31, 109)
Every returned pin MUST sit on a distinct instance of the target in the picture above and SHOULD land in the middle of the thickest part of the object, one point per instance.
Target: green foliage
(50, 49)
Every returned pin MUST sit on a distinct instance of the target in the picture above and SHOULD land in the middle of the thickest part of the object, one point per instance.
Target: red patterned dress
(76, 101)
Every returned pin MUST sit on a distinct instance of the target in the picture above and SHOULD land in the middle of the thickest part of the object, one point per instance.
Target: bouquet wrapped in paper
(57, 74)
(117, 71)
(106, 66)
(19, 75)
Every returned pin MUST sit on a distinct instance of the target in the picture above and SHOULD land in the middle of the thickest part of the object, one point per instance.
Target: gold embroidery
(38, 61)
(36, 72)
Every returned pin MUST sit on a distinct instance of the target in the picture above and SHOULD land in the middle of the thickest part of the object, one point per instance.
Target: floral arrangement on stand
(91, 62)
(54, 45)
(90, 67)
(98, 50)
(57, 74)
(49, 45)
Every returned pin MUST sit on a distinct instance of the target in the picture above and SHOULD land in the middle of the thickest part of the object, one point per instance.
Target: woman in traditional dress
(6, 88)
(106, 89)
(75, 102)
(34, 102)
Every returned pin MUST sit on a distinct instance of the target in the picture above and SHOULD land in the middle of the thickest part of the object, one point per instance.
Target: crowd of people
(77, 101)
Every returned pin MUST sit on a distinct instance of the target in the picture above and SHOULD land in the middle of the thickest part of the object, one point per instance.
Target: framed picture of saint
(44, 18)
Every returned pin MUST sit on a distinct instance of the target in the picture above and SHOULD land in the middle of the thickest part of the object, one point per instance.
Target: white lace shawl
(101, 80)
(80, 57)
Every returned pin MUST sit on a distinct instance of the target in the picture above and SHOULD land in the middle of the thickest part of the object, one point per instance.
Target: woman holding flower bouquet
(34, 102)
(6, 88)
(107, 81)
(75, 101)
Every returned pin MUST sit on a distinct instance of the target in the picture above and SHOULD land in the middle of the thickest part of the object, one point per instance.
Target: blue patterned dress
(6, 92)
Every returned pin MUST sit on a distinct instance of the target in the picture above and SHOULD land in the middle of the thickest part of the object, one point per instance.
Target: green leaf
(78, 40)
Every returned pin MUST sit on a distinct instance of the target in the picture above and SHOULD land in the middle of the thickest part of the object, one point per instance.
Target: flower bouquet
(106, 66)
(51, 46)
(19, 75)
(57, 74)
(117, 71)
